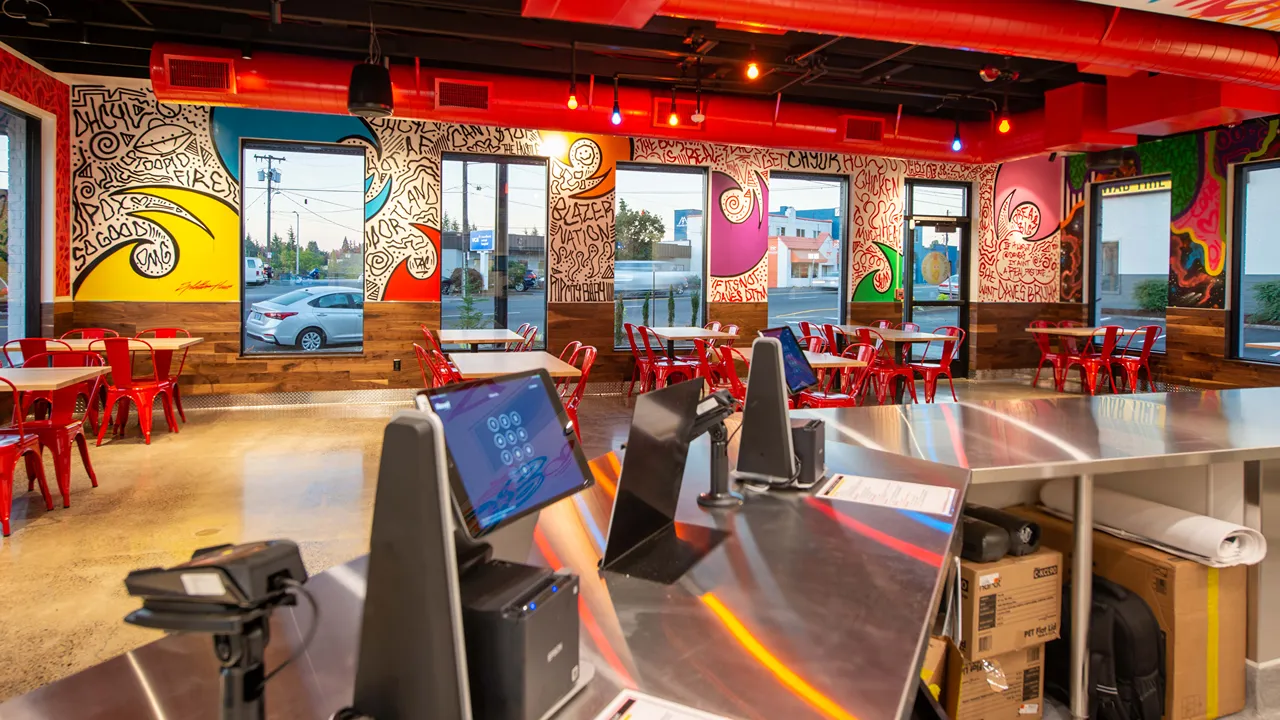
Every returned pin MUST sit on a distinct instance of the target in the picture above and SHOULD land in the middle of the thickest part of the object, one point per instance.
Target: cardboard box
(1003, 687)
(933, 670)
(1202, 611)
(1010, 604)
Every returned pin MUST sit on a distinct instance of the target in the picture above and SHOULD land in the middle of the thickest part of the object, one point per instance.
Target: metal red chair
(710, 365)
(583, 358)
(90, 333)
(443, 371)
(729, 357)
(165, 360)
(519, 346)
(30, 347)
(932, 371)
(886, 370)
(883, 324)
(1056, 360)
(731, 329)
(430, 337)
(713, 326)
(640, 371)
(530, 336)
(15, 444)
(1100, 361)
(909, 327)
(124, 388)
(63, 428)
(1071, 346)
(855, 380)
(1134, 364)
(566, 355)
(660, 367)
(424, 366)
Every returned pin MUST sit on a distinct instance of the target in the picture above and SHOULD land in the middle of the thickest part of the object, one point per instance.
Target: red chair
(886, 370)
(713, 326)
(1056, 360)
(932, 371)
(124, 388)
(530, 336)
(522, 331)
(430, 337)
(640, 370)
(883, 324)
(729, 357)
(165, 358)
(13, 445)
(855, 380)
(832, 391)
(63, 427)
(710, 365)
(1070, 345)
(443, 371)
(566, 355)
(90, 333)
(730, 329)
(909, 327)
(583, 358)
(1092, 363)
(424, 366)
(660, 367)
(30, 347)
(808, 329)
(1134, 364)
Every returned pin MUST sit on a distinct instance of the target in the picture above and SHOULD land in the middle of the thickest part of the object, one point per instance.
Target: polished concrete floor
(303, 473)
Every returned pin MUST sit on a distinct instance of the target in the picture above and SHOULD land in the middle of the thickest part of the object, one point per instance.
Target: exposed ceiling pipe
(1064, 30)
(277, 81)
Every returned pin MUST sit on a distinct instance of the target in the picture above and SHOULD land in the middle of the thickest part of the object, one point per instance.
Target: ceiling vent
(863, 129)
(200, 73)
(462, 94)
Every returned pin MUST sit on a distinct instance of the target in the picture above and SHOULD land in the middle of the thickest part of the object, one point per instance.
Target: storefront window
(1257, 255)
(1131, 253)
(19, 202)
(805, 249)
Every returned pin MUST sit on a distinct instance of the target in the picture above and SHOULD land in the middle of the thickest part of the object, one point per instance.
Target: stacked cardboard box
(1009, 609)
(1202, 611)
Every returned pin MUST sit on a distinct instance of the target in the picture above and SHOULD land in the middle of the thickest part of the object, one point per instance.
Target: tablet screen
(795, 364)
(511, 448)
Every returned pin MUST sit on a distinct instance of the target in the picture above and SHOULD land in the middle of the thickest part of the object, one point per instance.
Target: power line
(331, 222)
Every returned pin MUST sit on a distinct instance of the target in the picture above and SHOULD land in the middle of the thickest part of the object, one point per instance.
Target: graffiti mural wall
(1199, 166)
(157, 198)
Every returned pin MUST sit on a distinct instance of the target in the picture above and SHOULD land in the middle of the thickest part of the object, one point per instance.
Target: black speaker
(370, 92)
(809, 438)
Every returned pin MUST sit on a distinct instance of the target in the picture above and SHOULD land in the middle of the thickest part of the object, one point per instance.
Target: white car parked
(309, 319)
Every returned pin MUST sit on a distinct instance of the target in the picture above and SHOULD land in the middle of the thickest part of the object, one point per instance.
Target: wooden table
(474, 366)
(157, 344)
(684, 334)
(38, 379)
(819, 360)
(478, 337)
(1078, 332)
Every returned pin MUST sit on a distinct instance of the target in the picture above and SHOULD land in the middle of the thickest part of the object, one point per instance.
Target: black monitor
(799, 373)
(511, 447)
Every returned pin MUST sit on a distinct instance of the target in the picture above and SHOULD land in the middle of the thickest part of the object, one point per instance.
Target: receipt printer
(521, 631)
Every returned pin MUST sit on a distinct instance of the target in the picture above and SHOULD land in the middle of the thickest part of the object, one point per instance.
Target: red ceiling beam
(1168, 104)
(1062, 30)
(626, 13)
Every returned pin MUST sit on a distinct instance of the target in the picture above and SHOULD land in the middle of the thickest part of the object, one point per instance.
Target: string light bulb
(956, 143)
(674, 118)
(616, 116)
(697, 117)
(573, 76)
(1004, 126)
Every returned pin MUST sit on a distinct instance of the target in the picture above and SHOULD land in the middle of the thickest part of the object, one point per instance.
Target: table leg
(475, 347)
(1081, 596)
(671, 349)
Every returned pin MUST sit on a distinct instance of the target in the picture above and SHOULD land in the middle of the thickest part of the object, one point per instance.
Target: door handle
(322, 314)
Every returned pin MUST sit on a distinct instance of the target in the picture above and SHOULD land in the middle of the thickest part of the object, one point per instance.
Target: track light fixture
(616, 117)
(674, 118)
(573, 76)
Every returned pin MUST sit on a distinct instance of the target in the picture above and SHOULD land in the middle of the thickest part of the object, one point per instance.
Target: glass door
(935, 282)
(494, 250)
(19, 225)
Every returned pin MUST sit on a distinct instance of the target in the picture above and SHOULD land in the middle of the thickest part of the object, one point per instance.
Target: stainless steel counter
(1007, 440)
(810, 609)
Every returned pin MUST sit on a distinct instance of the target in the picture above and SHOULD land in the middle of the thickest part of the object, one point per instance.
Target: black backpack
(1126, 656)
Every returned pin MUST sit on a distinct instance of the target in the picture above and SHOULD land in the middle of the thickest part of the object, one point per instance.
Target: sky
(326, 191)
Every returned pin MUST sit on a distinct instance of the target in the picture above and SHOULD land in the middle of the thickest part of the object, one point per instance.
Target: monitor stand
(765, 453)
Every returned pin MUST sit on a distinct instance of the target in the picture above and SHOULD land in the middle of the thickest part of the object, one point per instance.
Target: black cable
(297, 589)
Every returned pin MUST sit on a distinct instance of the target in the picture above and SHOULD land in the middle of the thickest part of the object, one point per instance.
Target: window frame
(33, 231)
(964, 226)
(705, 172)
(1094, 254)
(1236, 252)
(269, 144)
(842, 282)
(502, 231)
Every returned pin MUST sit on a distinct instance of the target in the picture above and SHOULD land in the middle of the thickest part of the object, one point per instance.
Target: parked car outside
(253, 272)
(309, 319)
(950, 287)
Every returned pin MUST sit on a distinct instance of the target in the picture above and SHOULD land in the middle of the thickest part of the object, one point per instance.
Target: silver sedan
(309, 319)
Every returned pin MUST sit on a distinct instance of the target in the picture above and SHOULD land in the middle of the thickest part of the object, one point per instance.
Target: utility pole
(297, 241)
(466, 233)
(271, 175)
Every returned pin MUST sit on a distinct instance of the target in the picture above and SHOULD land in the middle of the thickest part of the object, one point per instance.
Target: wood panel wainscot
(216, 366)
(590, 324)
(866, 313)
(998, 339)
(1196, 353)
(56, 318)
(750, 318)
